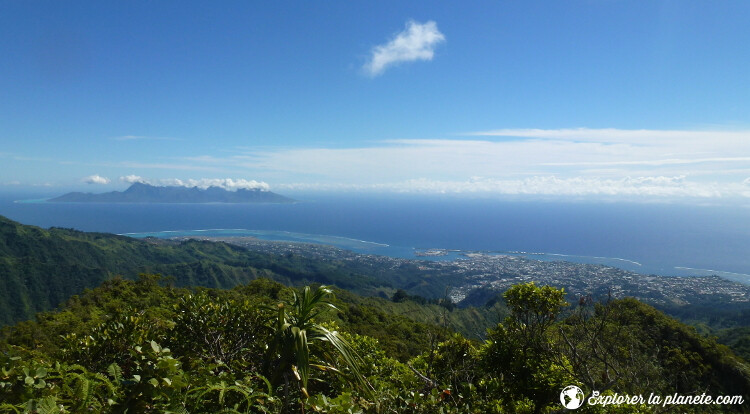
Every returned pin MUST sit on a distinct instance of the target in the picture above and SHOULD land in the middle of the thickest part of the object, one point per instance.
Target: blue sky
(573, 98)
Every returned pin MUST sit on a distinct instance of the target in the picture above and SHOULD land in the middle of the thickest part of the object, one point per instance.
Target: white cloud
(449, 159)
(600, 134)
(554, 162)
(669, 161)
(416, 42)
(630, 136)
(96, 179)
(564, 162)
(641, 187)
(133, 179)
(202, 183)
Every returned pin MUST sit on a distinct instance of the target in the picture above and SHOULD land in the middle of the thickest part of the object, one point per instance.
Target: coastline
(429, 254)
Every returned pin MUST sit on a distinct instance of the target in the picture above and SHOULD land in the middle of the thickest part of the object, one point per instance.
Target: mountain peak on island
(140, 192)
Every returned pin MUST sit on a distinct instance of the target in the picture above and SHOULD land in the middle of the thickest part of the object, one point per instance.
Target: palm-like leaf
(296, 329)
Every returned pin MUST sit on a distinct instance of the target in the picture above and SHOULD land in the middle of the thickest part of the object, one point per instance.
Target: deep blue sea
(665, 239)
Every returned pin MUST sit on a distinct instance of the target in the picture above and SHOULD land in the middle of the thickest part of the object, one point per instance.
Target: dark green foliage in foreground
(521, 349)
(145, 347)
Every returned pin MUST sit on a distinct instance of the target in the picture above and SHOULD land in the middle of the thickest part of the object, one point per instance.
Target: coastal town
(475, 276)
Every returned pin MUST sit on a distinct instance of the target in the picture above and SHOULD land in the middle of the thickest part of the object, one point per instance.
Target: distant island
(146, 193)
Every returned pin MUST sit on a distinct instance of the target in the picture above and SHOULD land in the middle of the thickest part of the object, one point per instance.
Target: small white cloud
(416, 42)
(130, 179)
(228, 184)
(96, 179)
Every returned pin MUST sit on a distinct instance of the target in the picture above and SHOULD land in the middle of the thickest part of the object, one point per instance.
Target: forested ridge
(41, 268)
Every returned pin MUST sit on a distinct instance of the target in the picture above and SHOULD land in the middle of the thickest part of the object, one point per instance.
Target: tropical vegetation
(147, 346)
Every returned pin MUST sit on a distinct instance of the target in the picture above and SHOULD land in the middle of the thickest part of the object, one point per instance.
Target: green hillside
(39, 268)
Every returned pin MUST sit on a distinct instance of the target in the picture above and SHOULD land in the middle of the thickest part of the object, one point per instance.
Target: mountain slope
(41, 268)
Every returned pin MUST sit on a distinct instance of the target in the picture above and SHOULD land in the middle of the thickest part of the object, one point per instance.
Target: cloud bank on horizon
(641, 187)
(556, 162)
(228, 184)
(416, 42)
(580, 162)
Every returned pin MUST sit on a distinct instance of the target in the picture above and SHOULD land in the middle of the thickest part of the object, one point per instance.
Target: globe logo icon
(571, 397)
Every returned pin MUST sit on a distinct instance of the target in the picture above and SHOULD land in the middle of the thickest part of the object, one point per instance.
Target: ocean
(664, 239)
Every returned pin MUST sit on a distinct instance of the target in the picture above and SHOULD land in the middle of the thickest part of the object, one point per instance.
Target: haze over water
(665, 239)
